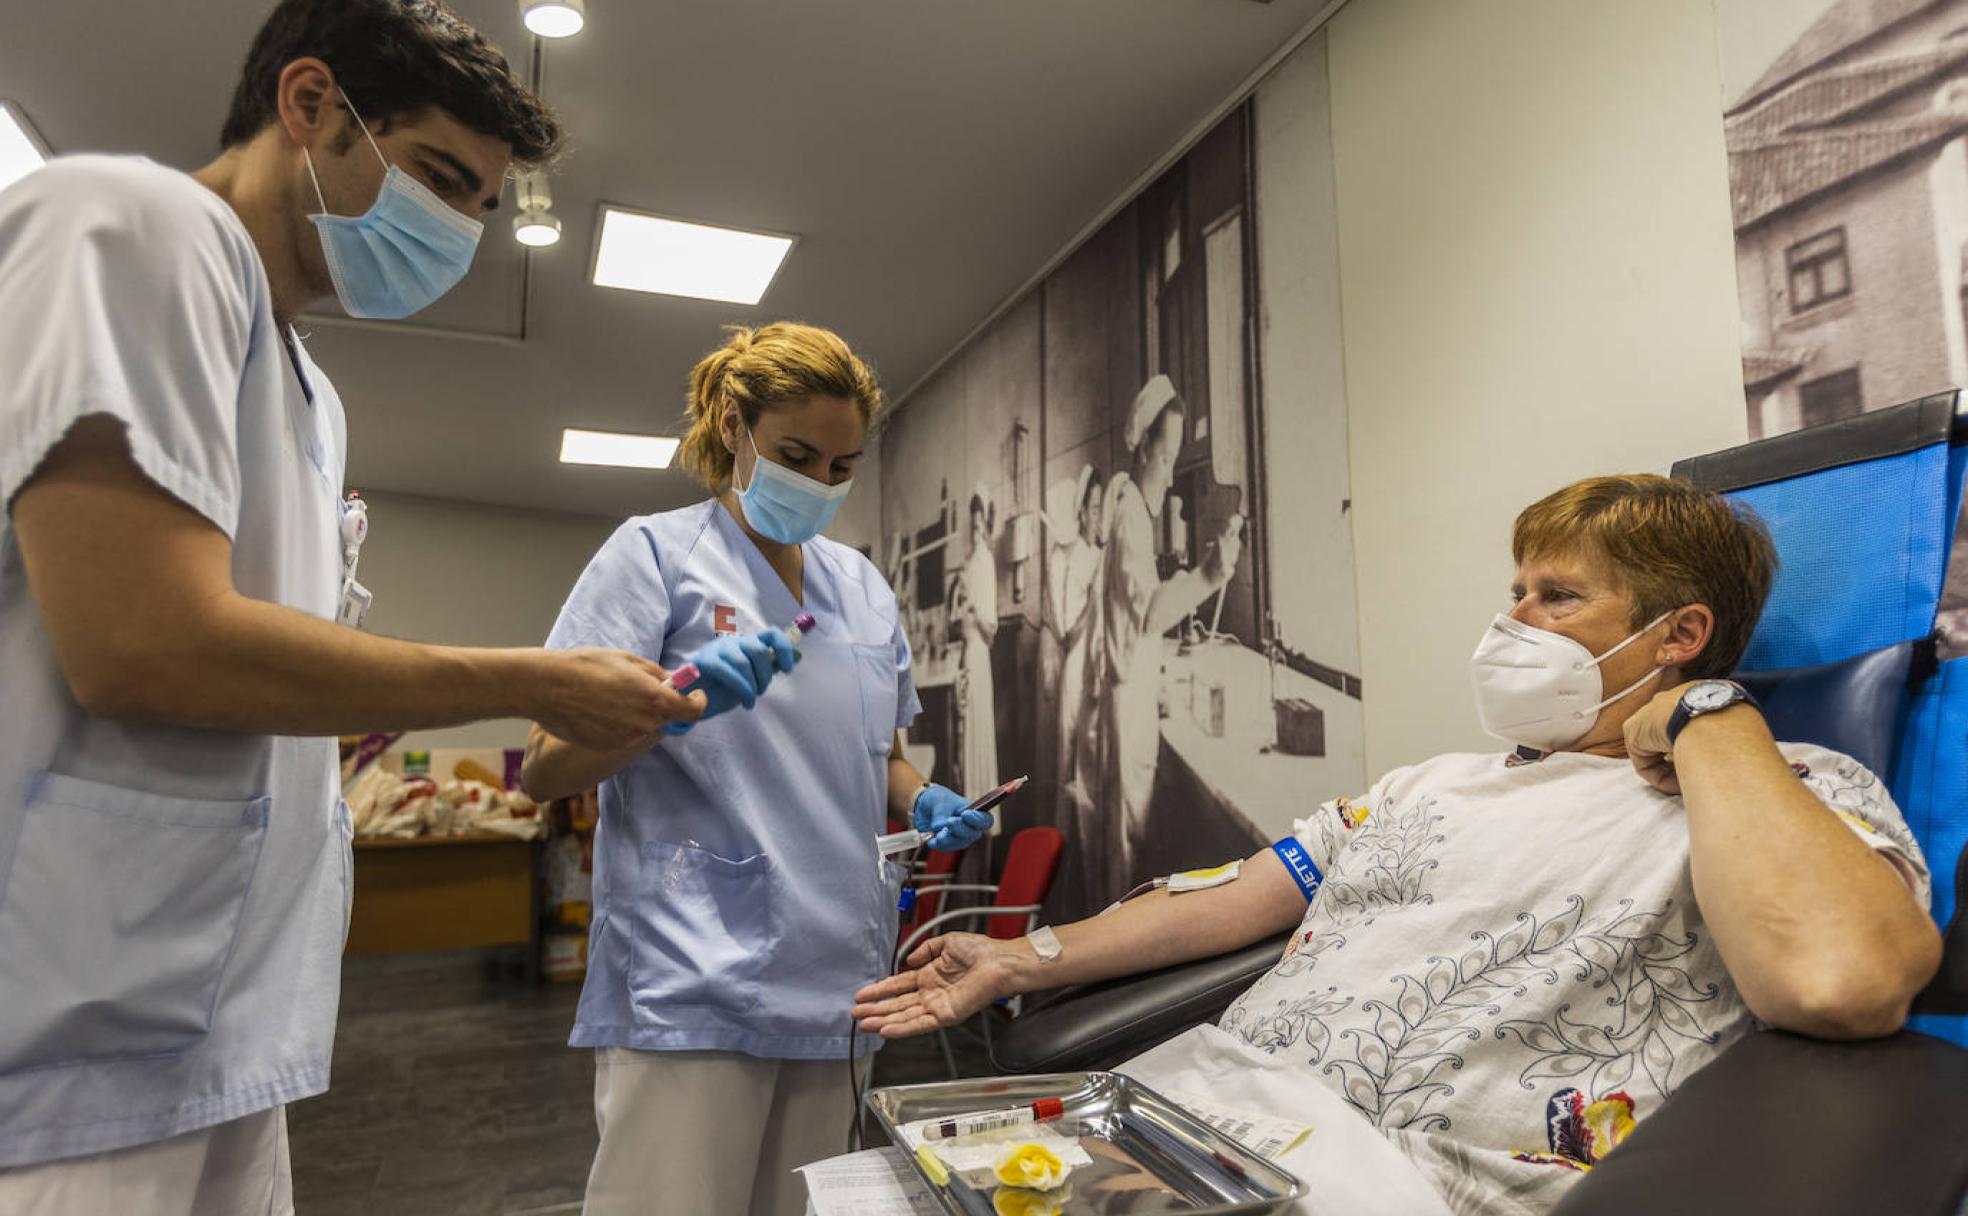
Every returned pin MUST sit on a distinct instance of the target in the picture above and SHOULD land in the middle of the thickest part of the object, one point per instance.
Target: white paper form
(878, 1182)
(1266, 1135)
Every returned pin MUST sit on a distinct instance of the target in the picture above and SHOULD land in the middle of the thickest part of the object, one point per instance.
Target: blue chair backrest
(1856, 706)
(1863, 515)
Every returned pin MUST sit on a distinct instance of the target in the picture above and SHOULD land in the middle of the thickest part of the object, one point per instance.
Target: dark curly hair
(394, 58)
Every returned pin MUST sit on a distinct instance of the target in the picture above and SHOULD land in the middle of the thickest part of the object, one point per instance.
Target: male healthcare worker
(739, 898)
(174, 862)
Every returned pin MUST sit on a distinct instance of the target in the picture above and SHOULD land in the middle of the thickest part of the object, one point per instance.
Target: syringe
(683, 677)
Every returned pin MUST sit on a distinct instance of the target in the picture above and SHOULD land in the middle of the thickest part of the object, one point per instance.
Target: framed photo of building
(1847, 130)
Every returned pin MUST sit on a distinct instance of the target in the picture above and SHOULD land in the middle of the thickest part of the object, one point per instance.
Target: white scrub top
(1132, 660)
(739, 900)
(173, 902)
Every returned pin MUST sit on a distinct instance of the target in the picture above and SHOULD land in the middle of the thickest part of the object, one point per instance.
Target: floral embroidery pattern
(1582, 1133)
(1386, 864)
(1647, 982)
(1851, 790)
(1402, 1063)
(1301, 1023)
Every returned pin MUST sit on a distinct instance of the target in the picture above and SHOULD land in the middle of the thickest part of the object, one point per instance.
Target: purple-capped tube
(802, 624)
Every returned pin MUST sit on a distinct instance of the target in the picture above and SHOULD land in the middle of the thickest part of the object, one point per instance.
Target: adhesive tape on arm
(1044, 942)
(1203, 880)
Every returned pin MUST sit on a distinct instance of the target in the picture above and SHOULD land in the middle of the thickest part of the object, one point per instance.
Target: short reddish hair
(1669, 545)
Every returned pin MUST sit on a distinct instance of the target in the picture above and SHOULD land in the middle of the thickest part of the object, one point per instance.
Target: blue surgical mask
(396, 258)
(785, 506)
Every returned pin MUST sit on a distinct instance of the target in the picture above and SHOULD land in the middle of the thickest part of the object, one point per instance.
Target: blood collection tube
(1045, 1110)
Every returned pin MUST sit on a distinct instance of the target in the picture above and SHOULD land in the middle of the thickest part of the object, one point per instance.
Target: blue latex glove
(945, 824)
(733, 672)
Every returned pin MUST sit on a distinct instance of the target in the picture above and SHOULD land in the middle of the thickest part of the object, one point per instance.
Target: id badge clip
(356, 599)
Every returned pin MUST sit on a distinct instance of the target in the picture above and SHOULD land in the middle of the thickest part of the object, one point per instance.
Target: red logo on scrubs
(724, 618)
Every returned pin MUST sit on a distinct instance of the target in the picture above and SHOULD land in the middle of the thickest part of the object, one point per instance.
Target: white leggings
(712, 1133)
(234, 1169)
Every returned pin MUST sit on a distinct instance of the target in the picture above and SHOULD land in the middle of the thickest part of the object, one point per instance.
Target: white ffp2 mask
(1542, 689)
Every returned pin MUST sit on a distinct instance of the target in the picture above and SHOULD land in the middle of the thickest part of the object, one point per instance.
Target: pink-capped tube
(683, 677)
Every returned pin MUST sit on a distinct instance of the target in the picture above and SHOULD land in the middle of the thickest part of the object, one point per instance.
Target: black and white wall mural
(1117, 520)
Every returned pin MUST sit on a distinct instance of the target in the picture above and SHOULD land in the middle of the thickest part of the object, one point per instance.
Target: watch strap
(1684, 713)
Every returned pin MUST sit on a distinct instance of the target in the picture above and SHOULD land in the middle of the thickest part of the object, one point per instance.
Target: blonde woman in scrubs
(739, 900)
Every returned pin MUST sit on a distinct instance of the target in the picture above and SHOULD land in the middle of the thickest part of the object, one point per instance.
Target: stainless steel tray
(1150, 1156)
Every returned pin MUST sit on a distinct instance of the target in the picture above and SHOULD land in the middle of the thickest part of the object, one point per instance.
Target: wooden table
(446, 893)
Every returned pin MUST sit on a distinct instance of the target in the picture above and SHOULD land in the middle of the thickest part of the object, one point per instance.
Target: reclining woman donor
(1503, 961)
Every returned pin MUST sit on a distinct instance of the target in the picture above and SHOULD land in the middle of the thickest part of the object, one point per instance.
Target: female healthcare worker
(739, 899)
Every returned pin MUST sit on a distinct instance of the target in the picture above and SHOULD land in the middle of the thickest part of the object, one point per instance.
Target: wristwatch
(1705, 697)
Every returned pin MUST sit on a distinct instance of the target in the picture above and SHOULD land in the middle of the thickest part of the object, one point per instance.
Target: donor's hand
(944, 981)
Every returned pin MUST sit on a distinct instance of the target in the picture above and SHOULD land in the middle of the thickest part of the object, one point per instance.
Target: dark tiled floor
(455, 1093)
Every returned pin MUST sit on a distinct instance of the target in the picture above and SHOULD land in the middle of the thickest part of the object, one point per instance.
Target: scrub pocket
(874, 671)
(118, 915)
(702, 927)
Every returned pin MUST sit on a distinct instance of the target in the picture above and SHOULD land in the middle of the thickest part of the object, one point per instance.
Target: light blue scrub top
(172, 901)
(739, 900)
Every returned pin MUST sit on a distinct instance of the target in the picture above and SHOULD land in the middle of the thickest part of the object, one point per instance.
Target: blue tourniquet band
(1298, 863)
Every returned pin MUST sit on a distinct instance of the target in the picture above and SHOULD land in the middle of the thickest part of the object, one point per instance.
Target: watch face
(1709, 695)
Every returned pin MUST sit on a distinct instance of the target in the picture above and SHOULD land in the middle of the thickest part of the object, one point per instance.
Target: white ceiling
(929, 155)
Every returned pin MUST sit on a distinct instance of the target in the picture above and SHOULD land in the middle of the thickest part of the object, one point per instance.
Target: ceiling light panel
(640, 252)
(21, 150)
(616, 450)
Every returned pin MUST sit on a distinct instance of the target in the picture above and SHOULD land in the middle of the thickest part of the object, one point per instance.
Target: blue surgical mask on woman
(408, 249)
(785, 506)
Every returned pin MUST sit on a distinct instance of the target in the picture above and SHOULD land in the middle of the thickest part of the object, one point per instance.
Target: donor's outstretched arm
(948, 978)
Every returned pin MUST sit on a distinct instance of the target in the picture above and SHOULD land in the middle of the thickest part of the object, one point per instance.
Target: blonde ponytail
(759, 371)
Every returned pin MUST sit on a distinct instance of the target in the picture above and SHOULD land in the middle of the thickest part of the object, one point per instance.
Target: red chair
(1016, 897)
(1013, 912)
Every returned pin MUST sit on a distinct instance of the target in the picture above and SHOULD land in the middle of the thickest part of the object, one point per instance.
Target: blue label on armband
(1299, 863)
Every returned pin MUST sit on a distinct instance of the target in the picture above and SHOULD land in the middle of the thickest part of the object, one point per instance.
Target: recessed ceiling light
(21, 150)
(553, 18)
(618, 450)
(640, 252)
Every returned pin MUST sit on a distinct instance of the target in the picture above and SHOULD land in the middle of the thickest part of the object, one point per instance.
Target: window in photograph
(1223, 261)
(1829, 398)
(1818, 270)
